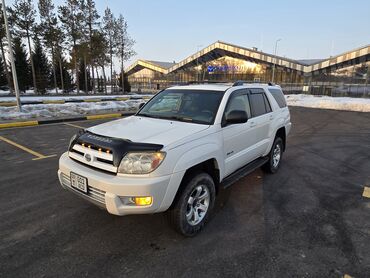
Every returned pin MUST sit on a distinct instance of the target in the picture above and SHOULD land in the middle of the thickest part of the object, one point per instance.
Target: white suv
(178, 150)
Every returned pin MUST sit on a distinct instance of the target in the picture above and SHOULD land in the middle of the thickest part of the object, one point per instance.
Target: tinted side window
(267, 103)
(239, 101)
(257, 103)
(279, 97)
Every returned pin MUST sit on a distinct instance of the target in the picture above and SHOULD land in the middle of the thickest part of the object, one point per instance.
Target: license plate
(79, 182)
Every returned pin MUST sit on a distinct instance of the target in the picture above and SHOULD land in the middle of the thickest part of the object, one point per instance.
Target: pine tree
(61, 70)
(2, 45)
(91, 19)
(99, 50)
(108, 25)
(51, 34)
(84, 78)
(71, 16)
(24, 14)
(124, 46)
(126, 84)
(21, 64)
(3, 80)
(42, 67)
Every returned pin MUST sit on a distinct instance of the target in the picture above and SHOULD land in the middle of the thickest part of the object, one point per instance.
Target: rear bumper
(111, 192)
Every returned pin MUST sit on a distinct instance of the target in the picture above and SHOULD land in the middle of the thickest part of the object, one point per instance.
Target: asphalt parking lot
(308, 220)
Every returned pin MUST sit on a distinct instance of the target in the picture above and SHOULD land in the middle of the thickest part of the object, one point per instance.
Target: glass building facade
(222, 62)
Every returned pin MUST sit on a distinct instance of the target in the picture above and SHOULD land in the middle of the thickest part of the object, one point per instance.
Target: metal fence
(329, 89)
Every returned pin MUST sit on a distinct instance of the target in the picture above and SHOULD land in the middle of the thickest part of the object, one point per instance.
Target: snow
(33, 111)
(326, 102)
(41, 98)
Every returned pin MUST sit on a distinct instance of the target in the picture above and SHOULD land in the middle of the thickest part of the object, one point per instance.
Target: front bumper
(106, 190)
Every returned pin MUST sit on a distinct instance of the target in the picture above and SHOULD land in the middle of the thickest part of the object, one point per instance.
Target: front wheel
(275, 156)
(193, 205)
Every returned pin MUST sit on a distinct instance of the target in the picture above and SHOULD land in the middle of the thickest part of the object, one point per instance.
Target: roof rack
(206, 82)
(242, 82)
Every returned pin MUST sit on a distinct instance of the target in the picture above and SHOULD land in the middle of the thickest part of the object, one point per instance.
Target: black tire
(270, 166)
(177, 215)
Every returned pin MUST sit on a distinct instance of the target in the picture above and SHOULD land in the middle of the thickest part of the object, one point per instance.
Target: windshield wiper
(186, 119)
(149, 116)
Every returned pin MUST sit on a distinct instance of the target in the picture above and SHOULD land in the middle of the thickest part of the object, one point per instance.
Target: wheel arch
(209, 166)
(281, 132)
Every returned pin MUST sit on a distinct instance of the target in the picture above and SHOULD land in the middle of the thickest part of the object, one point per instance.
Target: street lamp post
(198, 47)
(273, 66)
(11, 57)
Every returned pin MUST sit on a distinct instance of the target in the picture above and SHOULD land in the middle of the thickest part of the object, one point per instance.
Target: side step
(242, 172)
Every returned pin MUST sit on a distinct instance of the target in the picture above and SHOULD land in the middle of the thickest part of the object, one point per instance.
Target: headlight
(141, 163)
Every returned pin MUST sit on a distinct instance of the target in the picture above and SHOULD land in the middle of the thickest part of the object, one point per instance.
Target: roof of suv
(210, 87)
(222, 87)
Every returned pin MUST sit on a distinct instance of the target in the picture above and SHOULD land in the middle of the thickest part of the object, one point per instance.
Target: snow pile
(326, 102)
(76, 97)
(67, 109)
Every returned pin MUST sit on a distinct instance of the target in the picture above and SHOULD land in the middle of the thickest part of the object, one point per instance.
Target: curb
(61, 120)
(61, 101)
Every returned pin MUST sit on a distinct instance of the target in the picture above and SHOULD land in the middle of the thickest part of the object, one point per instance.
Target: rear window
(257, 104)
(279, 97)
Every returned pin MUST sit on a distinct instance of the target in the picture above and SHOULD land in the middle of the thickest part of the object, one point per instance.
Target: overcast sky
(168, 30)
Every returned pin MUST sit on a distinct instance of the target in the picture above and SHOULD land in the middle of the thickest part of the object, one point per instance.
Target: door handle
(271, 117)
(253, 124)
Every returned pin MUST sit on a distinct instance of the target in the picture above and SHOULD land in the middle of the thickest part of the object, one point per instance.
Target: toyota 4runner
(178, 151)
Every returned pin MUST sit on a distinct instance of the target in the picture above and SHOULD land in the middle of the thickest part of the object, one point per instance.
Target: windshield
(196, 106)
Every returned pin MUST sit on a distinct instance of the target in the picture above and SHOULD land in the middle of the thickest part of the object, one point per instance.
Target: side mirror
(141, 105)
(236, 117)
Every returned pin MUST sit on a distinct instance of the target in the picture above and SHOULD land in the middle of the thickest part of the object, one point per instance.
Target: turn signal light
(143, 201)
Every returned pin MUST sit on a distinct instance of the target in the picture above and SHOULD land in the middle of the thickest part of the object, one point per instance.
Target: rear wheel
(275, 156)
(193, 205)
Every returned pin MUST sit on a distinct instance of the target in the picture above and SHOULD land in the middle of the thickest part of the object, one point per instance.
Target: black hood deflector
(119, 147)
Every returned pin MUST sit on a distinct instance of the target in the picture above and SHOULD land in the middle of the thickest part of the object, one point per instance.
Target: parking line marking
(73, 125)
(103, 116)
(38, 155)
(366, 192)
(43, 157)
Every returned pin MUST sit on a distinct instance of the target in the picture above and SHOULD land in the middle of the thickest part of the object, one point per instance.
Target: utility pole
(273, 66)
(15, 79)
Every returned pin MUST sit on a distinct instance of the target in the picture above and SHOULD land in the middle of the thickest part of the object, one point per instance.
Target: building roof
(308, 62)
(221, 49)
(157, 66)
(165, 65)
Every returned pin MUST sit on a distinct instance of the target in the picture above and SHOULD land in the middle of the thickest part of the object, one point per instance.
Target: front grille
(93, 156)
(92, 192)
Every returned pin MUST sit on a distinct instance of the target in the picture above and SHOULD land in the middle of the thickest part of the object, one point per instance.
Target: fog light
(143, 201)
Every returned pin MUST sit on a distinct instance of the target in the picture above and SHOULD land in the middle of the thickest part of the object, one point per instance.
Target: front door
(238, 138)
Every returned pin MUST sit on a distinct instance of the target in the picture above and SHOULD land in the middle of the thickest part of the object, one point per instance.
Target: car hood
(148, 130)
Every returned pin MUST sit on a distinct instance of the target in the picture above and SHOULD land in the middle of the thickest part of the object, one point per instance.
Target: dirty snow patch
(326, 102)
